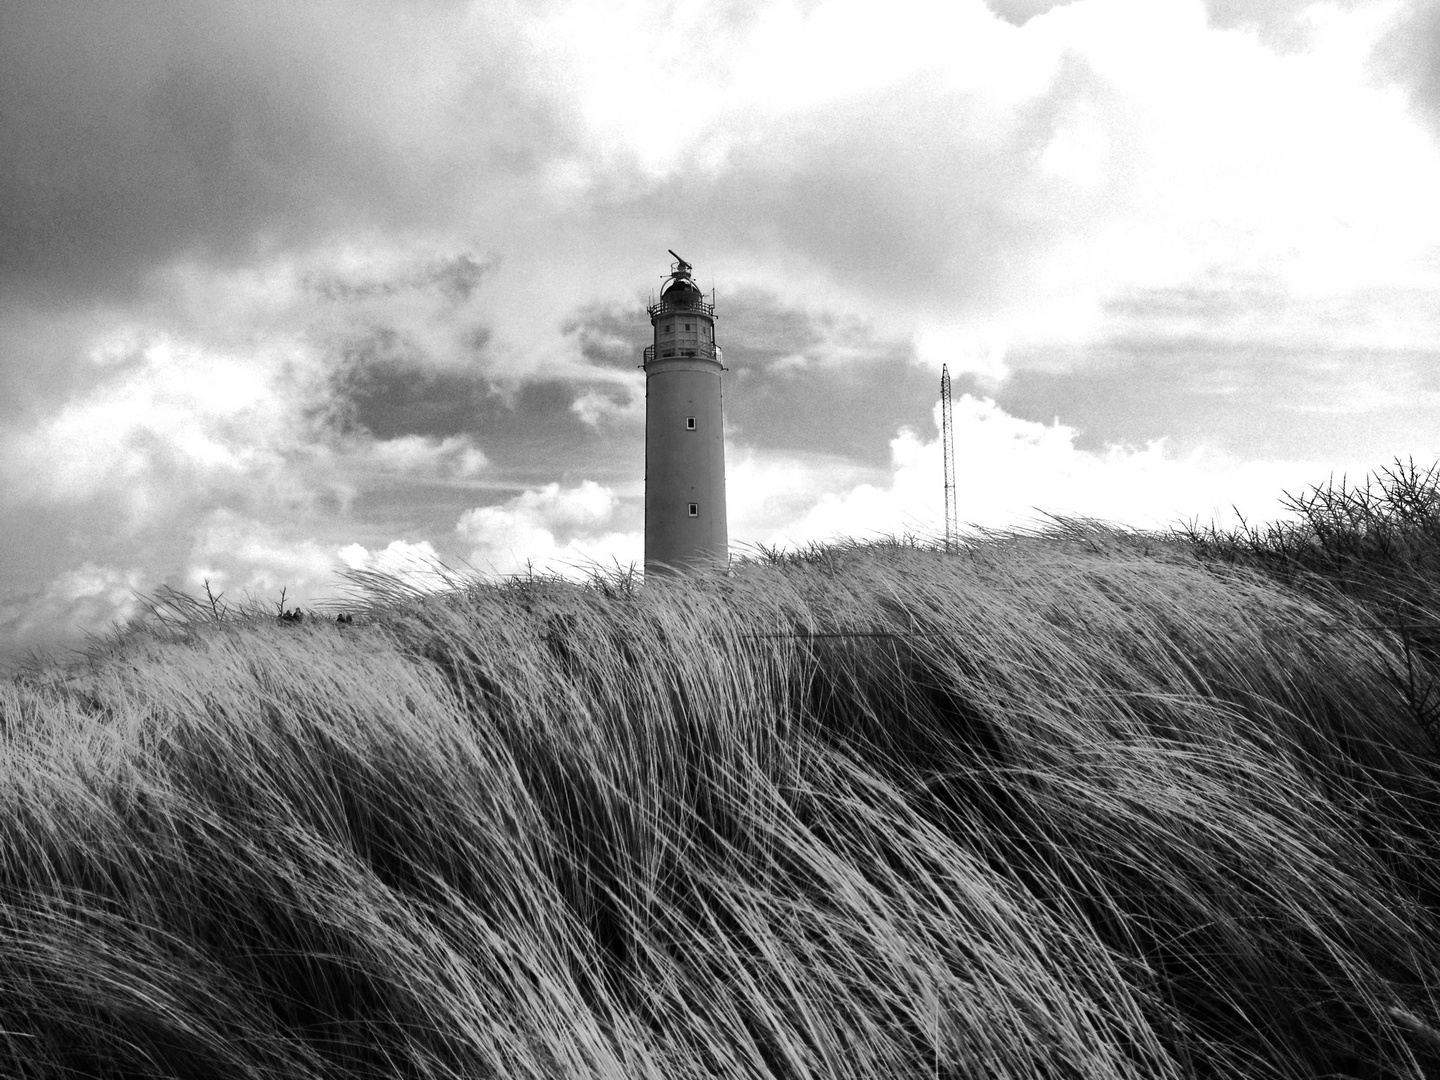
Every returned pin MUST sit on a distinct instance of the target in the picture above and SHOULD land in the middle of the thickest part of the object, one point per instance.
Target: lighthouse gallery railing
(706, 350)
(666, 306)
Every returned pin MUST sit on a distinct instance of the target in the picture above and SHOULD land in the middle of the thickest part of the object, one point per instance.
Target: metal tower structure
(947, 439)
(685, 520)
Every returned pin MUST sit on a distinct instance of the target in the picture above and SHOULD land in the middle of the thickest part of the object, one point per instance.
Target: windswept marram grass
(1053, 806)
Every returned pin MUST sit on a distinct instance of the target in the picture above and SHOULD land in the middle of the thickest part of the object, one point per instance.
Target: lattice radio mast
(947, 438)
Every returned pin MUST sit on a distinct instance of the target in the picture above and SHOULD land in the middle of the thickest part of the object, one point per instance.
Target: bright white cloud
(768, 493)
(552, 529)
(1107, 145)
(160, 403)
(1010, 473)
(415, 565)
(1190, 157)
(171, 424)
(454, 456)
(396, 557)
(1234, 159)
(242, 555)
(657, 83)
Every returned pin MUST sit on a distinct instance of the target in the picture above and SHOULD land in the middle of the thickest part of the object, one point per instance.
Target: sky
(287, 289)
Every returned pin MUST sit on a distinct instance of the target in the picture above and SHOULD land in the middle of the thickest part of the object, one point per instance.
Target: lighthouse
(684, 431)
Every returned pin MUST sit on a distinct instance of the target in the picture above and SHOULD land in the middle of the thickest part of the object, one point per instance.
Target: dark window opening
(694, 509)
(689, 423)
(669, 329)
(687, 326)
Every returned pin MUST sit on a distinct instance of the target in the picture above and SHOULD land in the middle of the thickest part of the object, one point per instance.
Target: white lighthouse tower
(684, 431)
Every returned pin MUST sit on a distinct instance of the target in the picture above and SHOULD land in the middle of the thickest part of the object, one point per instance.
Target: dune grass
(1377, 541)
(1069, 805)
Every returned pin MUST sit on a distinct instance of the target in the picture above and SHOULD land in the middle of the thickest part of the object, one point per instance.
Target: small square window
(687, 326)
(689, 423)
(669, 329)
(694, 509)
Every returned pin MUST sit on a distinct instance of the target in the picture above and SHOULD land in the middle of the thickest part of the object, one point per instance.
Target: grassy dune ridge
(1068, 805)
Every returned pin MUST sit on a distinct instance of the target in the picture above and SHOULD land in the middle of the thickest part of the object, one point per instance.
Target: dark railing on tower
(705, 350)
(668, 306)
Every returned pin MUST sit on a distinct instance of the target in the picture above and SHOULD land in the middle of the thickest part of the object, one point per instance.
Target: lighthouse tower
(684, 431)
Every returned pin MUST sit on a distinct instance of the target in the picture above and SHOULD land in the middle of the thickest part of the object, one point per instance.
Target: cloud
(919, 193)
(817, 382)
(182, 462)
(1011, 473)
(526, 425)
(916, 187)
(552, 529)
(161, 418)
(1235, 395)
(1019, 12)
(1244, 363)
(415, 455)
(405, 304)
(224, 131)
(800, 377)
(385, 386)
(233, 553)
(1284, 25)
(1409, 54)
(90, 599)
(225, 370)
(456, 278)
(609, 336)
(936, 201)
(396, 556)
(416, 565)
(768, 492)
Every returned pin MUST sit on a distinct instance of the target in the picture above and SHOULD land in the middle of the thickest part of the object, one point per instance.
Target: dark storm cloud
(41, 359)
(138, 131)
(610, 337)
(455, 278)
(384, 387)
